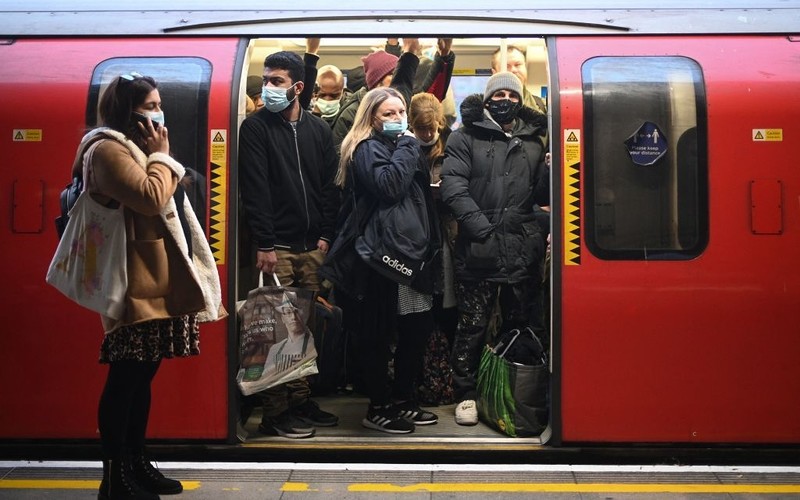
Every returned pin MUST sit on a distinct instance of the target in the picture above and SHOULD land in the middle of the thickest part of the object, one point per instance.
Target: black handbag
(396, 240)
(513, 385)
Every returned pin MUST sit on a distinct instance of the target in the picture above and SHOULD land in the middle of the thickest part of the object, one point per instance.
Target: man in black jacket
(287, 163)
(493, 175)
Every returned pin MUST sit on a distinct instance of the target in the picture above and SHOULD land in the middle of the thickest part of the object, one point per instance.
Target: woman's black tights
(125, 406)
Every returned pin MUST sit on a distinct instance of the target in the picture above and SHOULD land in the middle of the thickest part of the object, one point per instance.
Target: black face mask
(503, 111)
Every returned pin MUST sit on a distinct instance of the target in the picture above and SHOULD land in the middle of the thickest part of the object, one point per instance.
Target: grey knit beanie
(502, 81)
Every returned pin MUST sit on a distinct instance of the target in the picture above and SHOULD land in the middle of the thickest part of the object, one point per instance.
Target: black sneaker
(385, 418)
(285, 425)
(310, 413)
(414, 414)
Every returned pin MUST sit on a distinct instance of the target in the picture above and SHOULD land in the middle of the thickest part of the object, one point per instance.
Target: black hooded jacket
(491, 181)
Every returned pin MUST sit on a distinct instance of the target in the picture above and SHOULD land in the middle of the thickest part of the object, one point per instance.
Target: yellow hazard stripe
(76, 484)
(572, 197)
(218, 214)
(66, 484)
(572, 488)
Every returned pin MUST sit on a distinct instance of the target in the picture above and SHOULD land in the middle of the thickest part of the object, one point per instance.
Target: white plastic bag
(276, 345)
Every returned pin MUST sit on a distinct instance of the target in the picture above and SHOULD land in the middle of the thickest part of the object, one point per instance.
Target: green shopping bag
(512, 396)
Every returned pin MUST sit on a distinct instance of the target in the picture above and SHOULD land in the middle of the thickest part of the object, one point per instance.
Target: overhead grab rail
(419, 17)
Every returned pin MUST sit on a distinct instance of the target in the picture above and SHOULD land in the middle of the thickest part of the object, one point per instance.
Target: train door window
(645, 163)
(184, 84)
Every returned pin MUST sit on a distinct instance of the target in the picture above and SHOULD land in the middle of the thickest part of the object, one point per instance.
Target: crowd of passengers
(426, 238)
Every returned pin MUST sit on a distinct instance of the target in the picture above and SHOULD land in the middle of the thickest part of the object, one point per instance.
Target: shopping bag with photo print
(275, 343)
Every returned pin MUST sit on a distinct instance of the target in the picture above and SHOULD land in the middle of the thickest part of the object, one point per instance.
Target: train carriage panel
(49, 347)
(680, 231)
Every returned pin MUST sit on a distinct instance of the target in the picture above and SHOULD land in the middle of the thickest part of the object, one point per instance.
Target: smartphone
(143, 120)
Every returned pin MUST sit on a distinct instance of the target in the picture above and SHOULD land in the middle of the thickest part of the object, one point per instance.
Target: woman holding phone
(173, 283)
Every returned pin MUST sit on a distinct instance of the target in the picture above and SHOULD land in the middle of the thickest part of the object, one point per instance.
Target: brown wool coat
(163, 281)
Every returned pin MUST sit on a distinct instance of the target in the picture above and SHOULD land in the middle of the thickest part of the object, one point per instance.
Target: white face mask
(155, 116)
(431, 142)
(327, 108)
(276, 99)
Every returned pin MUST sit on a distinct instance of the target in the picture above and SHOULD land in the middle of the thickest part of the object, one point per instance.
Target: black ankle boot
(118, 483)
(151, 479)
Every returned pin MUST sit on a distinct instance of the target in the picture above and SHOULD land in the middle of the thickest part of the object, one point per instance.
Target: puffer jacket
(163, 280)
(491, 181)
(384, 171)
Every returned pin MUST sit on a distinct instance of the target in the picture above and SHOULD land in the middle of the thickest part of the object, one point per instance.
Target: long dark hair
(124, 94)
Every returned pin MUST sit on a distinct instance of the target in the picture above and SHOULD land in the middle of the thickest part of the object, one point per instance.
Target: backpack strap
(87, 162)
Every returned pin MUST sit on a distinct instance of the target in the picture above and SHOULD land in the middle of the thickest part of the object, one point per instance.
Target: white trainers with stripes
(386, 419)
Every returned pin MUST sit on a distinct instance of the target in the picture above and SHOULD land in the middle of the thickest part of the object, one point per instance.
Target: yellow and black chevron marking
(572, 197)
(219, 194)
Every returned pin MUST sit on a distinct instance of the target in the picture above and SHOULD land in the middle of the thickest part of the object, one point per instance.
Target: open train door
(676, 243)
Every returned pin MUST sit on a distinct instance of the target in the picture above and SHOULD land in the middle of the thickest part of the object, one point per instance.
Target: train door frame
(236, 292)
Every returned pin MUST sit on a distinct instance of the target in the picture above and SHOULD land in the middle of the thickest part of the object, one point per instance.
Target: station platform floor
(22, 480)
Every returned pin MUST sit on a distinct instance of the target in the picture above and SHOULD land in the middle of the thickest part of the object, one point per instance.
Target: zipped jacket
(287, 171)
(386, 173)
(491, 181)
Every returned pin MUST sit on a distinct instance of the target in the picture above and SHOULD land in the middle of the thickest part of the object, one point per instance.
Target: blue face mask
(393, 129)
(156, 117)
(275, 98)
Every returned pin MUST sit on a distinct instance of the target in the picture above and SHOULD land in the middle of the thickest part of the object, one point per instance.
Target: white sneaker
(467, 412)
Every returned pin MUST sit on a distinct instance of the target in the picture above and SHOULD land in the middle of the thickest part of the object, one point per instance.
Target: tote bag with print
(275, 342)
(89, 265)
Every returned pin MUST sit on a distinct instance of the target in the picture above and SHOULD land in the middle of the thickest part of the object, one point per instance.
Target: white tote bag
(90, 262)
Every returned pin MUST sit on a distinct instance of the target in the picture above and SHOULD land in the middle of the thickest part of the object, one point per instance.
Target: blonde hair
(425, 111)
(362, 128)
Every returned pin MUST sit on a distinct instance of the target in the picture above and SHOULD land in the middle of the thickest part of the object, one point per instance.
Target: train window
(184, 84)
(645, 163)
(464, 86)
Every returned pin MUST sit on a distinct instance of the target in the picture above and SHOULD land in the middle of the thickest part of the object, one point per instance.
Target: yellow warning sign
(27, 135)
(767, 134)
(572, 197)
(218, 214)
(219, 146)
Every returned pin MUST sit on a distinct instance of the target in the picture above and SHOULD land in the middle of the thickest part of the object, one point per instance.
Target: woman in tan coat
(173, 283)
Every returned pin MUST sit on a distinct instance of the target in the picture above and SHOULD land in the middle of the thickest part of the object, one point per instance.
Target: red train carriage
(674, 138)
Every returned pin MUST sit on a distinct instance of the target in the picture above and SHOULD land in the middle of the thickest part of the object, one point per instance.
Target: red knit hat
(377, 65)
